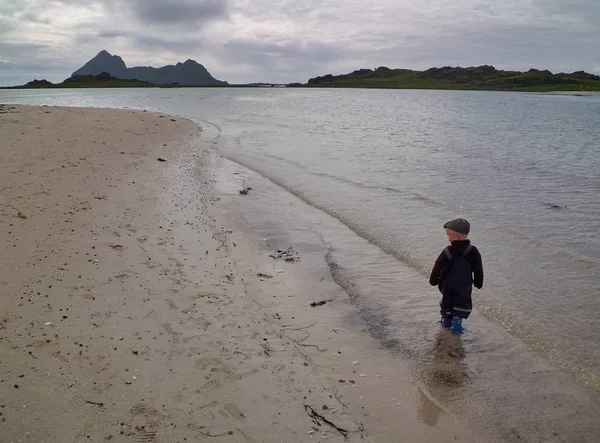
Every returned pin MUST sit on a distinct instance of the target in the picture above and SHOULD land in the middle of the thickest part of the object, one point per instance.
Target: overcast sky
(285, 41)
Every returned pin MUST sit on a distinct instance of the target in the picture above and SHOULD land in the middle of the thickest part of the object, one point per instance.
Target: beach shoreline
(573, 93)
(134, 309)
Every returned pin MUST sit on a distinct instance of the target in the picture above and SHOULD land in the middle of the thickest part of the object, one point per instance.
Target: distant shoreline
(447, 78)
(305, 86)
(578, 93)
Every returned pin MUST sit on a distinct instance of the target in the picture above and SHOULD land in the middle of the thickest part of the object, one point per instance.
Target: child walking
(457, 269)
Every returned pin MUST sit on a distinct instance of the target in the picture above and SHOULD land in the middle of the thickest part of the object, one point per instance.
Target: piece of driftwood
(95, 403)
(318, 418)
(208, 434)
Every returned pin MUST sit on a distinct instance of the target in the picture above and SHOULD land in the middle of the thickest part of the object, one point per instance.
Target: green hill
(103, 80)
(473, 78)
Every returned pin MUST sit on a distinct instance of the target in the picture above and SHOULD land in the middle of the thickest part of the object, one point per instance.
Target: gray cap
(459, 225)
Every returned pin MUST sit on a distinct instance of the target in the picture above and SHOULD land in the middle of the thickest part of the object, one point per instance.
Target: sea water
(381, 171)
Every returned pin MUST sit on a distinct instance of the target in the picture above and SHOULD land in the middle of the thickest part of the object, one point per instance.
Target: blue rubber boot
(457, 327)
(446, 322)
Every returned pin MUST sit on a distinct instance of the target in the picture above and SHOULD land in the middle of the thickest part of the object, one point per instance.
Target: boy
(455, 272)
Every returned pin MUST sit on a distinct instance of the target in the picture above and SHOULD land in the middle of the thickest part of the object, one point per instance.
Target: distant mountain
(189, 73)
(104, 62)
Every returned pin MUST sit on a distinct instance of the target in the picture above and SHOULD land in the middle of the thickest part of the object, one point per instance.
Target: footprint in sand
(142, 424)
(208, 387)
(101, 387)
(242, 375)
(213, 364)
(175, 336)
(234, 411)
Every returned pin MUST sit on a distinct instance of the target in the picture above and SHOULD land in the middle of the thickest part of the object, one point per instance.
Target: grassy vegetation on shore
(484, 78)
(474, 78)
(104, 80)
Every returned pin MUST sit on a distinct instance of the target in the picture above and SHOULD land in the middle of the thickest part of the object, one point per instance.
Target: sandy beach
(133, 310)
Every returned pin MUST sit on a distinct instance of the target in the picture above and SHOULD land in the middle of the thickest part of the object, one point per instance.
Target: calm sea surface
(385, 170)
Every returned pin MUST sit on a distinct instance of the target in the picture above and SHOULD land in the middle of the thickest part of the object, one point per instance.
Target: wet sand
(131, 310)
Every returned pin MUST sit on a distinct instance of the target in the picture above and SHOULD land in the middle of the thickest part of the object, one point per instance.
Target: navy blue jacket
(457, 248)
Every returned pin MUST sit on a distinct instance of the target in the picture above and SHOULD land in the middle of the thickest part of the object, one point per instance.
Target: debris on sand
(318, 420)
(261, 275)
(288, 255)
(245, 190)
(314, 304)
(21, 215)
(160, 159)
(556, 206)
(95, 403)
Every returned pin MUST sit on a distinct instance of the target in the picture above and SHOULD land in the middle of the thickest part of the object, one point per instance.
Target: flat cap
(459, 225)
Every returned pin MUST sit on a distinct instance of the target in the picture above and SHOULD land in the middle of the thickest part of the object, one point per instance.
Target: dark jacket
(457, 248)
(459, 277)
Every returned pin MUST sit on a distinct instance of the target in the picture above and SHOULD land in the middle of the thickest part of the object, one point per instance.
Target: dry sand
(129, 313)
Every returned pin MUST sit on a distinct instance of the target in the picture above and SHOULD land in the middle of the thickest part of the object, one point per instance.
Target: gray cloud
(159, 11)
(172, 12)
(291, 40)
(577, 12)
(180, 45)
(279, 62)
(35, 18)
(16, 67)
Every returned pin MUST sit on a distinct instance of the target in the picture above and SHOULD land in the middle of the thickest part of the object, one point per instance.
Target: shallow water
(386, 169)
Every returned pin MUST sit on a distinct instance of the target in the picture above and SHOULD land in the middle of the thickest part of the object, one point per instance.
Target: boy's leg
(457, 327)
(446, 309)
(461, 310)
(446, 321)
